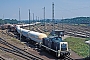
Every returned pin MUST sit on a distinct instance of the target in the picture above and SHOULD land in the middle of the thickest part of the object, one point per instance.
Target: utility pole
(33, 17)
(62, 23)
(36, 19)
(89, 42)
(53, 16)
(3, 19)
(19, 22)
(29, 19)
(44, 20)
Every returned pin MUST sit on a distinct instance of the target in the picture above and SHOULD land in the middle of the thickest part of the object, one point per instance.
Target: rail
(1, 58)
(20, 52)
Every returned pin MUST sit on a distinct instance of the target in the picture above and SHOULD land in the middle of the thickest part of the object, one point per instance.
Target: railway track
(1, 58)
(39, 30)
(7, 33)
(67, 58)
(17, 51)
(71, 30)
(78, 34)
(13, 52)
(68, 30)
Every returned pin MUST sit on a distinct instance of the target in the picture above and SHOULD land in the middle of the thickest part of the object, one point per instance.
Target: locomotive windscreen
(63, 47)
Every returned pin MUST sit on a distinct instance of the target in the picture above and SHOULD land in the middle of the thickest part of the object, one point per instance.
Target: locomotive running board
(49, 48)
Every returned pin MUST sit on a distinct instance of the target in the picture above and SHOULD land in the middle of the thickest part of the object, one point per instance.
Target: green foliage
(77, 20)
(5, 21)
(78, 45)
(1, 21)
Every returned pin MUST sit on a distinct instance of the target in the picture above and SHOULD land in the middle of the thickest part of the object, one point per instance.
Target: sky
(63, 8)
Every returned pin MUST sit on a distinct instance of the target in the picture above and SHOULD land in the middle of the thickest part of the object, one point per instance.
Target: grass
(78, 45)
(16, 41)
(1, 51)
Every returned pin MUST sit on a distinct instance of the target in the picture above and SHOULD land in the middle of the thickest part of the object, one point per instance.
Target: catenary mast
(29, 19)
(33, 19)
(44, 21)
(53, 16)
(19, 22)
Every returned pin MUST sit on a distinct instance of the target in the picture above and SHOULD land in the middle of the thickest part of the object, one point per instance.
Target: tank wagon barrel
(35, 36)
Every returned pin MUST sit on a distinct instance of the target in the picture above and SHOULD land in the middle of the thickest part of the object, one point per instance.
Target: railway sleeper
(19, 49)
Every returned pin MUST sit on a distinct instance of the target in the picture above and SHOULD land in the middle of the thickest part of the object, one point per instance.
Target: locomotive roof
(55, 39)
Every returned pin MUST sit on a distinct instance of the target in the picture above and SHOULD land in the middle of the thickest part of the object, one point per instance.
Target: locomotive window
(58, 38)
(61, 33)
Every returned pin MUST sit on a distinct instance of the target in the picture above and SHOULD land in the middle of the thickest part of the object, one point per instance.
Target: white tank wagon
(25, 32)
(35, 36)
(18, 29)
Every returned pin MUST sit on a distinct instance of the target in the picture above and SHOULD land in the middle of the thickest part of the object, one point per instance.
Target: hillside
(76, 20)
